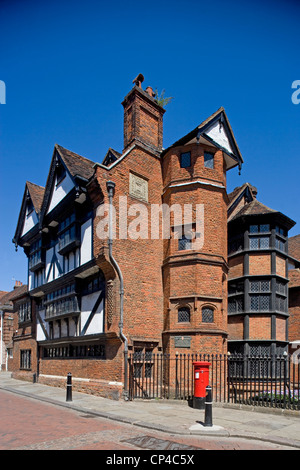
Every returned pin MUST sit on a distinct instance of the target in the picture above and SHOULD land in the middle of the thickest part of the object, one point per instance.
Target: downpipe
(110, 185)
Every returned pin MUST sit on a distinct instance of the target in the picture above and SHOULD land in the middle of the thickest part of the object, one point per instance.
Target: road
(30, 424)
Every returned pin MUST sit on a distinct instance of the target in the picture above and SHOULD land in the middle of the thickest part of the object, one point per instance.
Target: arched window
(207, 315)
(183, 314)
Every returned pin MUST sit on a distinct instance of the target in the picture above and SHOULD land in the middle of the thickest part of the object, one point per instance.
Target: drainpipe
(110, 185)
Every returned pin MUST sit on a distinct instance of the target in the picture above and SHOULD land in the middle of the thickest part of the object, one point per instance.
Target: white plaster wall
(87, 304)
(219, 136)
(30, 221)
(60, 191)
(40, 336)
(86, 242)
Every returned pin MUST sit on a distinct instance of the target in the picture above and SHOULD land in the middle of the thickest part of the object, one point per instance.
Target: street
(30, 424)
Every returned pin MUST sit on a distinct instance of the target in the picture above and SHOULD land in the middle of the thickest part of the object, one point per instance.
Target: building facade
(130, 255)
(258, 258)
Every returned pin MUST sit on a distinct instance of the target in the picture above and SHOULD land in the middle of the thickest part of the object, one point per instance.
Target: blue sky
(67, 66)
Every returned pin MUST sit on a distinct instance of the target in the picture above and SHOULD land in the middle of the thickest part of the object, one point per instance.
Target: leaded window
(185, 160)
(260, 286)
(236, 304)
(207, 315)
(24, 312)
(260, 303)
(262, 228)
(259, 243)
(184, 243)
(208, 160)
(25, 359)
(183, 314)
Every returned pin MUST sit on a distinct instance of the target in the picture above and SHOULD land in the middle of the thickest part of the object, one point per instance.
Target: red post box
(201, 380)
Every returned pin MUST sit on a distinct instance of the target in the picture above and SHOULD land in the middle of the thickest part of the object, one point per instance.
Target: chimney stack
(143, 117)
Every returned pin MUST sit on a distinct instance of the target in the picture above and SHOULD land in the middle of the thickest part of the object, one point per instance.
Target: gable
(30, 210)
(215, 131)
(219, 136)
(61, 186)
(30, 217)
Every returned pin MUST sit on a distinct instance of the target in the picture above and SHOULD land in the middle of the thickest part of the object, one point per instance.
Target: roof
(37, 194)
(294, 246)
(239, 189)
(254, 208)
(13, 295)
(76, 164)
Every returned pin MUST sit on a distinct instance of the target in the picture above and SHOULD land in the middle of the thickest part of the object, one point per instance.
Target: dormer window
(29, 207)
(60, 172)
(68, 235)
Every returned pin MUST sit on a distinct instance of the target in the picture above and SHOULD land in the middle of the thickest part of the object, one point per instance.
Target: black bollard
(208, 407)
(69, 387)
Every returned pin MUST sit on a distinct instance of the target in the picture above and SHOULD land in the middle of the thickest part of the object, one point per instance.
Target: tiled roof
(76, 164)
(294, 246)
(254, 208)
(239, 189)
(13, 295)
(294, 277)
(37, 194)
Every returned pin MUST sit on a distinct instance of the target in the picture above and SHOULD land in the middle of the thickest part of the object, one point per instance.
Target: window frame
(184, 155)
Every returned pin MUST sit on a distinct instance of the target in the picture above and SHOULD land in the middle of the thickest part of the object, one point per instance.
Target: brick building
(294, 294)
(258, 277)
(9, 322)
(130, 255)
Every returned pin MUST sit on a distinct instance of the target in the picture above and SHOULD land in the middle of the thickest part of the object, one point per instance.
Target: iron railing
(261, 381)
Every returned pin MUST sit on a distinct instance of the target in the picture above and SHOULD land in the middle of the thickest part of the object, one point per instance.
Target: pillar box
(201, 380)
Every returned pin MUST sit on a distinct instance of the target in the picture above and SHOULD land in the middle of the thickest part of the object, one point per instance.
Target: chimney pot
(138, 80)
(150, 92)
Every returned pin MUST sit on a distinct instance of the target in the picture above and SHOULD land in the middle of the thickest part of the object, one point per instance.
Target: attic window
(29, 207)
(60, 172)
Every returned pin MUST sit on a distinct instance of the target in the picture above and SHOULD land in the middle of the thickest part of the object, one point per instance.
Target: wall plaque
(138, 187)
(182, 341)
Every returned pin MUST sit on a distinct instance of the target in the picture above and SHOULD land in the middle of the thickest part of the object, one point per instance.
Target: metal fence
(260, 381)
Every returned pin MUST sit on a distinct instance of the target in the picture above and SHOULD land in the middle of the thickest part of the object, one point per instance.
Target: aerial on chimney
(138, 80)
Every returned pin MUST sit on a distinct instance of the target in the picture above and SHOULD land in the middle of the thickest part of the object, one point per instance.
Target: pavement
(280, 427)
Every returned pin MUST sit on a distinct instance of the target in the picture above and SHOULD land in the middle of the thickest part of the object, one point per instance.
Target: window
(184, 243)
(207, 315)
(67, 234)
(143, 362)
(183, 314)
(259, 243)
(260, 286)
(60, 172)
(185, 160)
(260, 303)
(25, 312)
(61, 302)
(236, 304)
(236, 244)
(262, 228)
(89, 350)
(281, 304)
(35, 255)
(25, 359)
(93, 284)
(208, 160)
